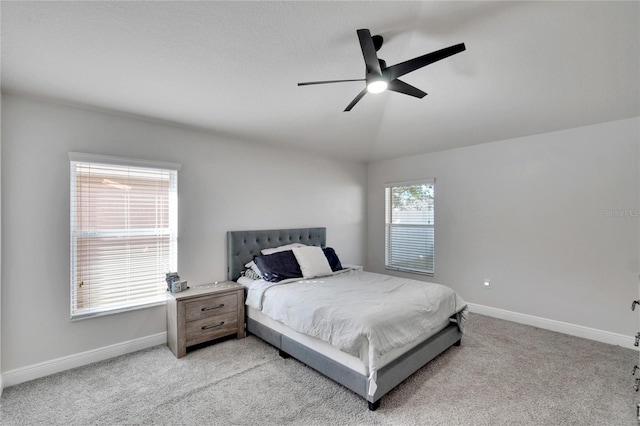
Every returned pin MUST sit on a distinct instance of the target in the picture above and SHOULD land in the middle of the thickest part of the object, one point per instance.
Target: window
(409, 232)
(123, 233)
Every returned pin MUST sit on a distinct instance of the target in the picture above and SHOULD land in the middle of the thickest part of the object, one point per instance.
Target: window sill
(409, 271)
(83, 316)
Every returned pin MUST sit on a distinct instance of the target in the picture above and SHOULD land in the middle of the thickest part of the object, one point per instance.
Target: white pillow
(281, 248)
(253, 267)
(246, 282)
(312, 261)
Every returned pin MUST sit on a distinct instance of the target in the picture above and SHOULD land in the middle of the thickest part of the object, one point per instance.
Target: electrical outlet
(487, 283)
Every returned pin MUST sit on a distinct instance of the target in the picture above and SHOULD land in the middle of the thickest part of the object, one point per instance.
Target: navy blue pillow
(278, 266)
(332, 257)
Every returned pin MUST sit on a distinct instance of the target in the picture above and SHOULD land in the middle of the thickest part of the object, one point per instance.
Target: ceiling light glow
(377, 86)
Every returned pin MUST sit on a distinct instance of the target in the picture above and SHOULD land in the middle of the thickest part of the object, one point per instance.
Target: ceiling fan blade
(369, 52)
(402, 87)
(308, 83)
(405, 67)
(356, 99)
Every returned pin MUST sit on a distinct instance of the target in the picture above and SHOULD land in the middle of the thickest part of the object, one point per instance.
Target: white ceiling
(232, 67)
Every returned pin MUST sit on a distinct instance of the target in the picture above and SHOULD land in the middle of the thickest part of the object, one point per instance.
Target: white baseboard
(31, 372)
(559, 326)
(35, 371)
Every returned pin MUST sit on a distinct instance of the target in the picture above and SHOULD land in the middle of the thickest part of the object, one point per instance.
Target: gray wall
(544, 217)
(223, 185)
(1, 385)
(551, 219)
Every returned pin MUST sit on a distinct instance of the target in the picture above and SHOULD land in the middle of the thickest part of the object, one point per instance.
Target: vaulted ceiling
(232, 68)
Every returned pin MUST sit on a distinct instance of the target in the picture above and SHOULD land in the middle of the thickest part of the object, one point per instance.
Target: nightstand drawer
(211, 328)
(209, 306)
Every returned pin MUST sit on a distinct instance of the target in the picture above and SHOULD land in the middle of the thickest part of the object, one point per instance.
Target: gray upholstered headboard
(242, 246)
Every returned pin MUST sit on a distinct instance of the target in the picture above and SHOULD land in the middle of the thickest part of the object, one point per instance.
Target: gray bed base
(242, 246)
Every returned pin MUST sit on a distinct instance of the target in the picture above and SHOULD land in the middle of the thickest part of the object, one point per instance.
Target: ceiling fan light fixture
(377, 86)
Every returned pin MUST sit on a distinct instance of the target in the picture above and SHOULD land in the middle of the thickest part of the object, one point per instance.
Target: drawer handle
(213, 307)
(207, 327)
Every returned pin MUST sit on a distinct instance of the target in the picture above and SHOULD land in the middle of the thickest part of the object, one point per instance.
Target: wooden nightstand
(204, 313)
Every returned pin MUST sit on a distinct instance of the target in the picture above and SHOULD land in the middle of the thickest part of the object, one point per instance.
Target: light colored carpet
(503, 374)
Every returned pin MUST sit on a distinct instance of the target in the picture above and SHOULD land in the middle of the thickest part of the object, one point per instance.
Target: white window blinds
(409, 226)
(123, 233)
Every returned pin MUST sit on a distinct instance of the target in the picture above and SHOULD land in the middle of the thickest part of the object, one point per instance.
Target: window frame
(171, 229)
(389, 225)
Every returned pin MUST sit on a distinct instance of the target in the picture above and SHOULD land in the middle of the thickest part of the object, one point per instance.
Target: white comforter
(361, 313)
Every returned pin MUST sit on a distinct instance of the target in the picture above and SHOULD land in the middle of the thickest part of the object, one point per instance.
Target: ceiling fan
(379, 77)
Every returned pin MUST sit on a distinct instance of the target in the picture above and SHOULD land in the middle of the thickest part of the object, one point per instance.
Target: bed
(371, 377)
